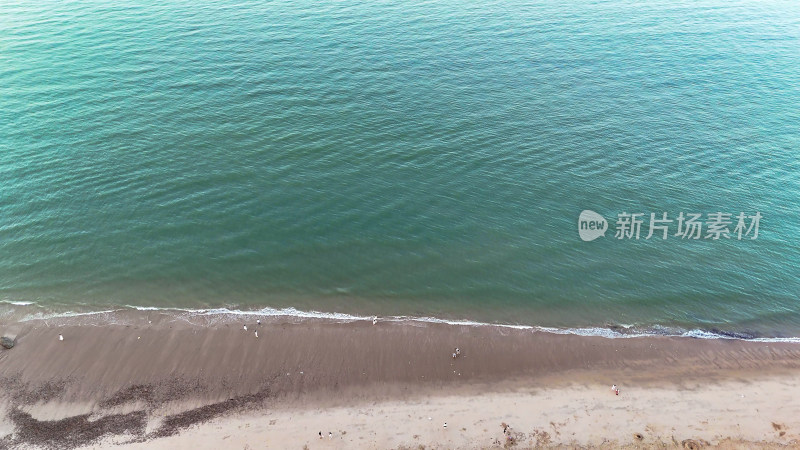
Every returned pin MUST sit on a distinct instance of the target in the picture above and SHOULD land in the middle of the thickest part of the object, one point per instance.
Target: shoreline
(119, 314)
(154, 377)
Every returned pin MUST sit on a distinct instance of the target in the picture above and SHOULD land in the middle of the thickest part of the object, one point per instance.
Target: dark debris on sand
(20, 392)
(73, 431)
(153, 395)
(84, 429)
(139, 392)
(175, 423)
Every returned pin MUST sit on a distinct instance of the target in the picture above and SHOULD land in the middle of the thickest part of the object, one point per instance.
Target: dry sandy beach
(157, 380)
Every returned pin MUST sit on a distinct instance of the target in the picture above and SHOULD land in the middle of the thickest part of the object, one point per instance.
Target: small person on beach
(615, 389)
(458, 351)
(258, 321)
(60, 337)
(507, 432)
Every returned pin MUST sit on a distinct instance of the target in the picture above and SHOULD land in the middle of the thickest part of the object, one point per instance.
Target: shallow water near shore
(377, 160)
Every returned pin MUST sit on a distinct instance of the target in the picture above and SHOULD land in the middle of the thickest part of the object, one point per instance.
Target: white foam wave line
(143, 308)
(16, 303)
(270, 312)
(468, 323)
(588, 332)
(284, 312)
(700, 334)
(293, 312)
(156, 308)
(69, 314)
(793, 340)
(596, 332)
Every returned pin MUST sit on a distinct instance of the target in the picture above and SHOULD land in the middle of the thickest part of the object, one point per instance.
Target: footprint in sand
(780, 428)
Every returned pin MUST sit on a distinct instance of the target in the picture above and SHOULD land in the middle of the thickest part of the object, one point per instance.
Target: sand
(581, 415)
(156, 380)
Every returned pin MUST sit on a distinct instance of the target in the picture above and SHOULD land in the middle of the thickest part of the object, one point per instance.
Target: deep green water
(401, 158)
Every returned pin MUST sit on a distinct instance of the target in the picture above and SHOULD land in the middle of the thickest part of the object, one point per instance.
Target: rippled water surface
(401, 158)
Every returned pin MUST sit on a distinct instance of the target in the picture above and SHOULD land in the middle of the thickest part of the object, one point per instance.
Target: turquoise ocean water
(426, 158)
